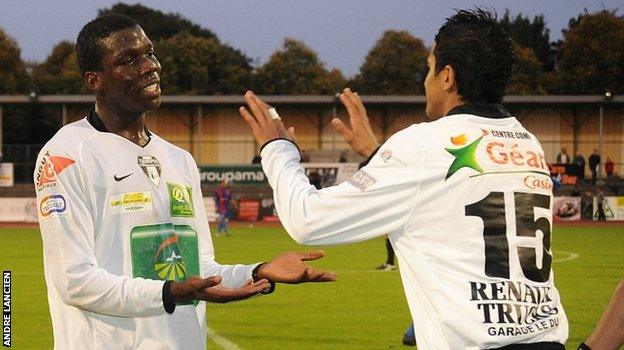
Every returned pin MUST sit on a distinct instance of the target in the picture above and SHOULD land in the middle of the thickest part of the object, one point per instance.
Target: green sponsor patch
(164, 252)
(181, 200)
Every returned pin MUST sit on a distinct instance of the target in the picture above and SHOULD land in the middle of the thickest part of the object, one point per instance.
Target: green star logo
(464, 158)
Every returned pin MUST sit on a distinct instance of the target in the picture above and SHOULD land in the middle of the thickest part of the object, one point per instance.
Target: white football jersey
(117, 220)
(467, 204)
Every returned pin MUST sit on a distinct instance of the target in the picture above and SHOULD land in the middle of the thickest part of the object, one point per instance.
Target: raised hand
(210, 289)
(263, 126)
(360, 136)
(290, 268)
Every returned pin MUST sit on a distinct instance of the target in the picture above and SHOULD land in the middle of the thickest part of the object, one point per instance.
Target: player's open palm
(360, 135)
(290, 267)
(211, 289)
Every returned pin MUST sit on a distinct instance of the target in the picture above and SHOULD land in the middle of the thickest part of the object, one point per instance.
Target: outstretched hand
(290, 268)
(210, 289)
(263, 125)
(360, 136)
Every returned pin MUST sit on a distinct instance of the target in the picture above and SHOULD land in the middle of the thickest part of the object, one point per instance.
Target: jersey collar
(96, 122)
(487, 110)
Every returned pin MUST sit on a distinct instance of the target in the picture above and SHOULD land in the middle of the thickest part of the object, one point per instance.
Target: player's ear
(93, 80)
(449, 83)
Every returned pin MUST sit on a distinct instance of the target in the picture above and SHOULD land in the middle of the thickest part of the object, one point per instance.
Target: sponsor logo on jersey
(362, 180)
(181, 200)
(52, 204)
(386, 155)
(169, 264)
(165, 252)
(501, 156)
(130, 202)
(512, 308)
(515, 156)
(49, 168)
(151, 168)
(465, 157)
(533, 182)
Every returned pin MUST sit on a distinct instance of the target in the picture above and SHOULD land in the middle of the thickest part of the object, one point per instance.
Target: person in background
(594, 165)
(580, 161)
(409, 338)
(343, 157)
(609, 167)
(563, 157)
(389, 264)
(600, 204)
(222, 197)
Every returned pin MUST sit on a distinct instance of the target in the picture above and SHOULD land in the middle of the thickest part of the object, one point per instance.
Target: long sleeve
(68, 234)
(233, 276)
(371, 204)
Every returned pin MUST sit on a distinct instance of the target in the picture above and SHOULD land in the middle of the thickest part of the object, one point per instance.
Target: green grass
(366, 309)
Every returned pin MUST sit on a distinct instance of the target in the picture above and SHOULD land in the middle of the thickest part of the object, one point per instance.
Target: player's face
(434, 91)
(130, 76)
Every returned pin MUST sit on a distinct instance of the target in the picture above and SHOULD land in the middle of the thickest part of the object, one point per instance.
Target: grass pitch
(365, 309)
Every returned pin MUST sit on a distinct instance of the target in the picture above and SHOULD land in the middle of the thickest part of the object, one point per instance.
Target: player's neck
(128, 125)
(452, 102)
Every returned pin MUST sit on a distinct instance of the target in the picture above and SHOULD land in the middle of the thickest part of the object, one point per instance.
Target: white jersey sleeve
(67, 229)
(329, 216)
(233, 276)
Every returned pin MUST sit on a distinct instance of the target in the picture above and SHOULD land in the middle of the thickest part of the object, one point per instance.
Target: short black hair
(89, 49)
(480, 52)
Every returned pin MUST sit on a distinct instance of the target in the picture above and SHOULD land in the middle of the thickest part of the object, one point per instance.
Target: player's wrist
(258, 273)
(168, 297)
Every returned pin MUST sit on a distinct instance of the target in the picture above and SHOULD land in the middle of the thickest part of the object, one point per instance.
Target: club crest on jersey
(49, 168)
(151, 168)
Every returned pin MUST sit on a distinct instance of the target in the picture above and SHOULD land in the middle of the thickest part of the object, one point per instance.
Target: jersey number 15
(534, 253)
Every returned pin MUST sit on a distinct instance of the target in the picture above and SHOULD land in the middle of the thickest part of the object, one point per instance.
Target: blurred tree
(531, 34)
(21, 123)
(296, 70)
(198, 65)
(528, 77)
(156, 24)
(13, 76)
(59, 73)
(397, 64)
(590, 59)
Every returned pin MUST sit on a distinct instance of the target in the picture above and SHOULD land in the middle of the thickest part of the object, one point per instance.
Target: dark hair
(89, 49)
(480, 52)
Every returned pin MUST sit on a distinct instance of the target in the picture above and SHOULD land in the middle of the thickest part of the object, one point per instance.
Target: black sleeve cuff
(281, 138)
(583, 346)
(365, 163)
(255, 278)
(167, 297)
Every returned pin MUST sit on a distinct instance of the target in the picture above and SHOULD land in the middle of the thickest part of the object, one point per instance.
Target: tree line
(588, 60)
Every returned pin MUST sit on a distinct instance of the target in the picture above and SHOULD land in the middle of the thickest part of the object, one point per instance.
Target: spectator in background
(600, 204)
(222, 197)
(305, 156)
(609, 166)
(256, 159)
(576, 192)
(580, 161)
(594, 164)
(563, 157)
(343, 157)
